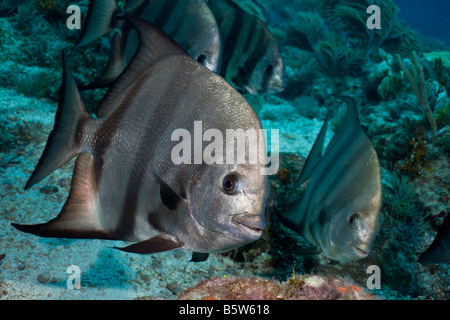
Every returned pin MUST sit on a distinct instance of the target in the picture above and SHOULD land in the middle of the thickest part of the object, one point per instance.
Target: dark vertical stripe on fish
(105, 134)
(107, 130)
(129, 211)
(164, 13)
(249, 39)
(177, 15)
(266, 78)
(245, 72)
(230, 41)
(345, 144)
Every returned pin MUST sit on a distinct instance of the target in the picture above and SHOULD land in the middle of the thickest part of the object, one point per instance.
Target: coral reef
(416, 78)
(417, 162)
(304, 287)
(352, 15)
(336, 57)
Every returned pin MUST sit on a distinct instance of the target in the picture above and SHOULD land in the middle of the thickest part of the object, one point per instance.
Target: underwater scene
(224, 150)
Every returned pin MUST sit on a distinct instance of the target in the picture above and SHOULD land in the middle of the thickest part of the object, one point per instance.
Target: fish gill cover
(397, 76)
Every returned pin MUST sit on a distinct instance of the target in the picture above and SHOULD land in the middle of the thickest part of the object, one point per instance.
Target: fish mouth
(363, 253)
(251, 223)
(279, 85)
(253, 230)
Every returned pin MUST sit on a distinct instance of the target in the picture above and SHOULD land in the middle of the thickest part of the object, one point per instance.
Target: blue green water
(327, 51)
(430, 18)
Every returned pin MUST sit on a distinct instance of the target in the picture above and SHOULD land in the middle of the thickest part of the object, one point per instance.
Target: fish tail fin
(61, 144)
(101, 19)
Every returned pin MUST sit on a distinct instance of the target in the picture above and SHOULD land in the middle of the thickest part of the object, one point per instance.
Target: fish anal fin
(158, 243)
(78, 218)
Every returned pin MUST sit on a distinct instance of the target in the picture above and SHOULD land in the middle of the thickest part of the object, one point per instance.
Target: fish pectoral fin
(199, 256)
(169, 197)
(158, 243)
(78, 217)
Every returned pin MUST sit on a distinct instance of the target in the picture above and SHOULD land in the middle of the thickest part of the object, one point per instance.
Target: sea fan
(336, 57)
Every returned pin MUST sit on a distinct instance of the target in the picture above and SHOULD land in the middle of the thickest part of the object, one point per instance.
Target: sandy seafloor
(35, 268)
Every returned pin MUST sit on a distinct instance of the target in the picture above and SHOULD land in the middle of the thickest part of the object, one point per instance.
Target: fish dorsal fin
(352, 112)
(169, 197)
(158, 243)
(99, 21)
(350, 124)
(154, 46)
(78, 218)
(314, 156)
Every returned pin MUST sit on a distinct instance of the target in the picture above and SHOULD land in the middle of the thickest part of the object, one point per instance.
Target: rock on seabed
(298, 287)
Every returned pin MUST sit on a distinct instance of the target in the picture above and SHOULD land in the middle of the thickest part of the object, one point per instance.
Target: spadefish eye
(269, 69)
(230, 183)
(201, 58)
(352, 220)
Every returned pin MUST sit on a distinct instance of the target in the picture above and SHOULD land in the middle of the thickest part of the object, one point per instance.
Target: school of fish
(172, 63)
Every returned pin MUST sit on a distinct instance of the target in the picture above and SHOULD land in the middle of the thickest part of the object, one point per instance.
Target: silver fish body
(339, 210)
(251, 58)
(125, 185)
(189, 23)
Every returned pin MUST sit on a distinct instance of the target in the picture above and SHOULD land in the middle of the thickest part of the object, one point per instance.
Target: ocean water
(327, 51)
(429, 19)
